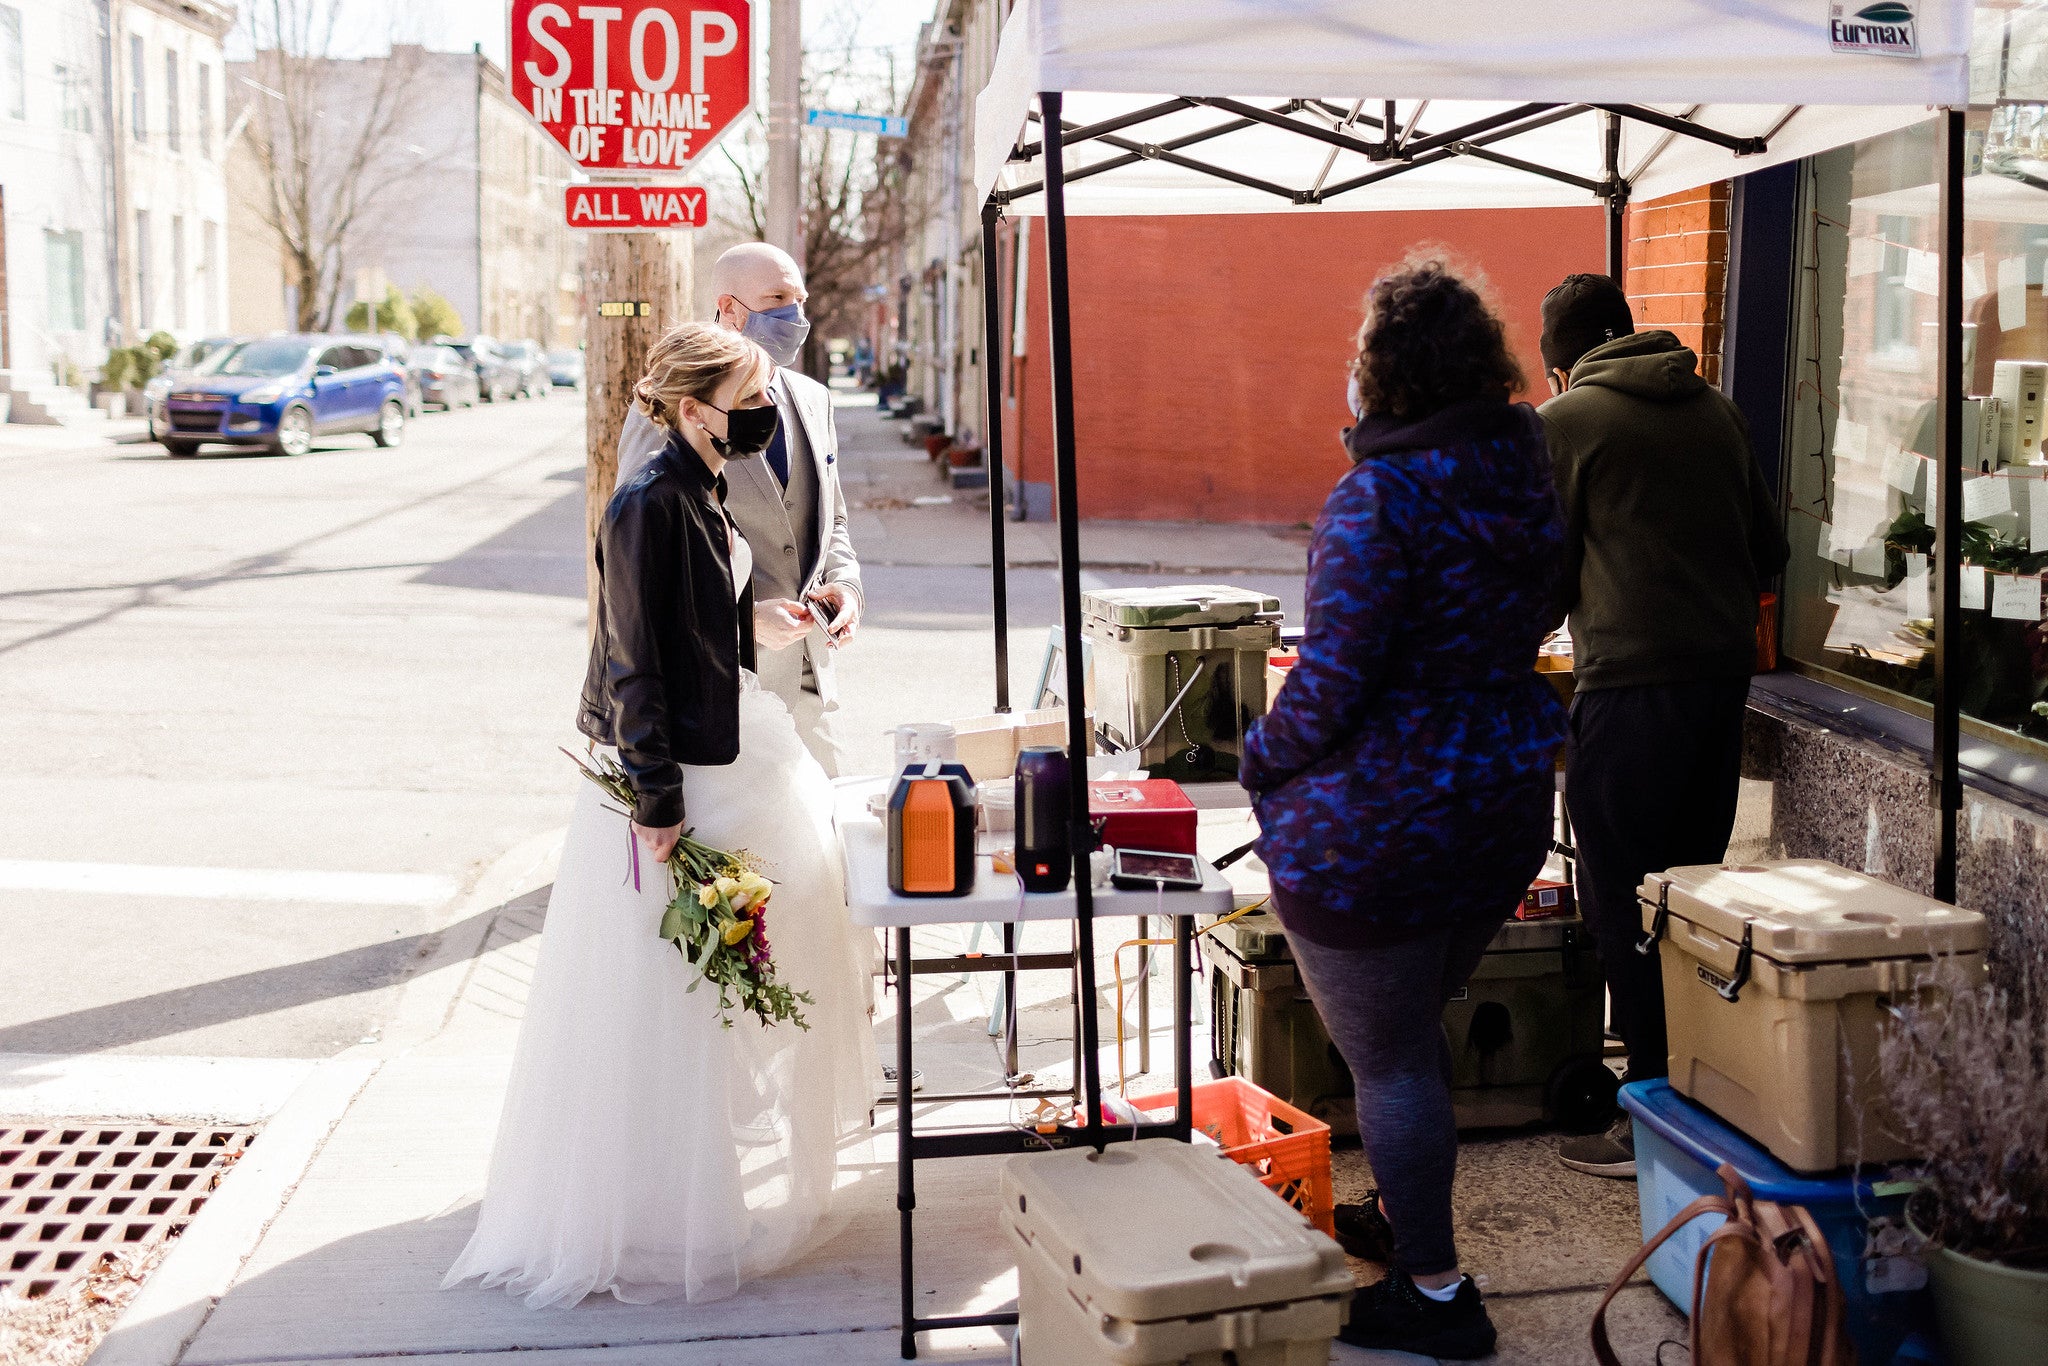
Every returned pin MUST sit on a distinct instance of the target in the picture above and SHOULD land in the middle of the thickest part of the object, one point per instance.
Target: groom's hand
(660, 842)
(780, 623)
(842, 611)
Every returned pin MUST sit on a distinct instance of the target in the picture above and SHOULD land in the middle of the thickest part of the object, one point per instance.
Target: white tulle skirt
(644, 1150)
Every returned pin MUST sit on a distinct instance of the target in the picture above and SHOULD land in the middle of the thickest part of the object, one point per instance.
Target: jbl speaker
(931, 831)
(1045, 845)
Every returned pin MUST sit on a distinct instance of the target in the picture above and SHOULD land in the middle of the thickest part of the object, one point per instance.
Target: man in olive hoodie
(1671, 533)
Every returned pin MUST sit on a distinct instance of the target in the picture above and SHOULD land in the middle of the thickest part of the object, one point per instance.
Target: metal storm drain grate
(70, 1193)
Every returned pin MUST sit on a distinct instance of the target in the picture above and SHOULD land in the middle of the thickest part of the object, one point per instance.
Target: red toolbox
(1150, 814)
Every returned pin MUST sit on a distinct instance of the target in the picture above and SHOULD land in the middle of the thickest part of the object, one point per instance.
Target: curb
(175, 1302)
(429, 996)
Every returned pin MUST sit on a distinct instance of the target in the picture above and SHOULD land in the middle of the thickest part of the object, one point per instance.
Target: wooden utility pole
(650, 271)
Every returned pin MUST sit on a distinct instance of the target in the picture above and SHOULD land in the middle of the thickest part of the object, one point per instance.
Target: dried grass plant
(1965, 1072)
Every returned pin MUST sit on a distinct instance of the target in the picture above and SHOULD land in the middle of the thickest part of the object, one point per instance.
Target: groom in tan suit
(788, 503)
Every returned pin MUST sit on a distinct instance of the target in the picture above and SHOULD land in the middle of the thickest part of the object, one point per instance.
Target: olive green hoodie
(1670, 531)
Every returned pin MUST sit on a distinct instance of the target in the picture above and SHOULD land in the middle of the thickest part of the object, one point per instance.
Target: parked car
(184, 361)
(283, 390)
(532, 364)
(444, 376)
(565, 369)
(497, 378)
(400, 352)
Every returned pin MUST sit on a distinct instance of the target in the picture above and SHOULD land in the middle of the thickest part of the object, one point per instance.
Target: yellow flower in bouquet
(738, 930)
(754, 891)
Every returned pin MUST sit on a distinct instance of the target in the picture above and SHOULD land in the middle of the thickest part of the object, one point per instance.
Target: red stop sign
(633, 85)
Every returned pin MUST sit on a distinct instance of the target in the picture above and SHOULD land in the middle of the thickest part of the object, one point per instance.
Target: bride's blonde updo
(692, 361)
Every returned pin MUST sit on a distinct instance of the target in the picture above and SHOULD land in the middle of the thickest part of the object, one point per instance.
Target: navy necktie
(777, 453)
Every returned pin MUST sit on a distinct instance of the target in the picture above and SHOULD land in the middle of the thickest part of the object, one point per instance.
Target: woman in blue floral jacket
(1404, 778)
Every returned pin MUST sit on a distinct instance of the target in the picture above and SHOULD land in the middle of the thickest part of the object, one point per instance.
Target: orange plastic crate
(1287, 1149)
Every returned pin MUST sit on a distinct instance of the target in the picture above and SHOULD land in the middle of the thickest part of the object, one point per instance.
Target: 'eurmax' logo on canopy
(1885, 27)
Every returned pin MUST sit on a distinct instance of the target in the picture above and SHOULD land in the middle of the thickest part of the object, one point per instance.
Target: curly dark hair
(1429, 340)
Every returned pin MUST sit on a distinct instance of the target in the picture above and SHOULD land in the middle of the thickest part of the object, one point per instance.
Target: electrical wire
(1116, 959)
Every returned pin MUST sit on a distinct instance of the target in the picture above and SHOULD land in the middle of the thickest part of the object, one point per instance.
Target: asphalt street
(264, 720)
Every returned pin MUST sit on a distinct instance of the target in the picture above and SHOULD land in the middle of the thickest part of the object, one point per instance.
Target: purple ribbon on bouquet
(633, 854)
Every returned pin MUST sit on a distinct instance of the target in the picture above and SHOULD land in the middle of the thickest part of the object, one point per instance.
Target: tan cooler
(1166, 1252)
(1776, 978)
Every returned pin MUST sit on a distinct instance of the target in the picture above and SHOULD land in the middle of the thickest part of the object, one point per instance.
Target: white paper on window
(1868, 559)
(1902, 471)
(2012, 293)
(1973, 587)
(1974, 286)
(1852, 441)
(1985, 497)
(1919, 598)
(1866, 254)
(2037, 515)
(2016, 597)
(1923, 271)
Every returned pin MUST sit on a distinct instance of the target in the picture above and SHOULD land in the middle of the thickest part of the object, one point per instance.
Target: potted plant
(1965, 1073)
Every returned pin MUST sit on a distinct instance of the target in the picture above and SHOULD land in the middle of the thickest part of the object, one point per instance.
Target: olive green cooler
(1526, 1031)
(1777, 978)
(1150, 644)
(1169, 1253)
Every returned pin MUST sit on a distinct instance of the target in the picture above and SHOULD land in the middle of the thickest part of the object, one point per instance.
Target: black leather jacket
(671, 639)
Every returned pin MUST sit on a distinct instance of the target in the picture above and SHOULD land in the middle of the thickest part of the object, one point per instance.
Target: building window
(145, 303)
(13, 73)
(171, 120)
(138, 91)
(202, 95)
(209, 270)
(74, 99)
(178, 296)
(1860, 476)
(64, 260)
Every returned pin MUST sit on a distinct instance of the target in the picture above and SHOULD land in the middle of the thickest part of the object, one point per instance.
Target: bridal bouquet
(717, 917)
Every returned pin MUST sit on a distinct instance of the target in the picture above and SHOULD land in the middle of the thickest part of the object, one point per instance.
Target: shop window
(145, 274)
(202, 97)
(64, 259)
(178, 295)
(13, 72)
(1861, 496)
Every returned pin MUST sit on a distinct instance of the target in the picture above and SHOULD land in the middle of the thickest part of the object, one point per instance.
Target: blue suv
(282, 391)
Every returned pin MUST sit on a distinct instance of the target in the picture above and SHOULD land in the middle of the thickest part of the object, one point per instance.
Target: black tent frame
(1400, 148)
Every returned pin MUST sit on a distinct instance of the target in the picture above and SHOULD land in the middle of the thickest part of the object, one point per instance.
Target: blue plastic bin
(1679, 1146)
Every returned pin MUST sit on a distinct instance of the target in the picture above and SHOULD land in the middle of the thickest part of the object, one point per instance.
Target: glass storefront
(1859, 468)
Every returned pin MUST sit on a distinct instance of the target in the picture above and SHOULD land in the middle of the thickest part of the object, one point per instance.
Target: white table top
(998, 897)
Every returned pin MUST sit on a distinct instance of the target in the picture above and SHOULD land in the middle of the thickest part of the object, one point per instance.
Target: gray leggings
(1384, 1007)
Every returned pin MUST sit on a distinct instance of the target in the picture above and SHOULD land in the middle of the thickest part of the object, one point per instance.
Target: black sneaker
(1612, 1154)
(1393, 1316)
(1363, 1230)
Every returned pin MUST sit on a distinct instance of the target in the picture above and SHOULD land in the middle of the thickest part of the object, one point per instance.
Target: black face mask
(747, 431)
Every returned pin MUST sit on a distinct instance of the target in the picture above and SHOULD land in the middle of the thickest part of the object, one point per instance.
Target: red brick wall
(1678, 268)
(1210, 352)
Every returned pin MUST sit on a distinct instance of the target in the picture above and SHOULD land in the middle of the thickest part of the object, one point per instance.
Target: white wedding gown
(644, 1150)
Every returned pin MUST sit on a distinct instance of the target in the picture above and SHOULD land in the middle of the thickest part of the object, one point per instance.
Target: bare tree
(854, 204)
(326, 134)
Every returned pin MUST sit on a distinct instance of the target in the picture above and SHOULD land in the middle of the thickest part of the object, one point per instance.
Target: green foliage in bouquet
(716, 917)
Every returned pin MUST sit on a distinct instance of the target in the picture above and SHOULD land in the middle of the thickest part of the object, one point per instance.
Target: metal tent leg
(992, 449)
(1066, 483)
(1948, 521)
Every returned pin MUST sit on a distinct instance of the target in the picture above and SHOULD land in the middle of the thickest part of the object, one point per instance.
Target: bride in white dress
(644, 1149)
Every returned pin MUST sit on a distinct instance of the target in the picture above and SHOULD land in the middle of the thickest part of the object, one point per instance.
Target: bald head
(754, 277)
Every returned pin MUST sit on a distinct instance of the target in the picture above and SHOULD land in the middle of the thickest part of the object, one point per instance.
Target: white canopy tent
(1251, 106)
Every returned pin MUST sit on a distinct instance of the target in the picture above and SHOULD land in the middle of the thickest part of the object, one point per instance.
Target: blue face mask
(778, 331)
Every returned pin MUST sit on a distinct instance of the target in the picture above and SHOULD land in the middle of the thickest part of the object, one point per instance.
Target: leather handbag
(1767, 1296)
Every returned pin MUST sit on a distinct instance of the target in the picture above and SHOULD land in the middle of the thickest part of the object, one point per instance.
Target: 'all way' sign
(634, 208)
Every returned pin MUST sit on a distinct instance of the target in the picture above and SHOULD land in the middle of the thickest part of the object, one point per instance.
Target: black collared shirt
(671, 636)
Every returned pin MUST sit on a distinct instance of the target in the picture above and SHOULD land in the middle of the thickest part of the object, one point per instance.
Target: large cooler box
(1679, 1146)
(1149, 643)
(1776, 977)
(1526, 1032)
(1165, 1252)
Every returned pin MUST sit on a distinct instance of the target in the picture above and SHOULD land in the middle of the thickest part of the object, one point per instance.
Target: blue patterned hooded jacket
(1404, 776)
